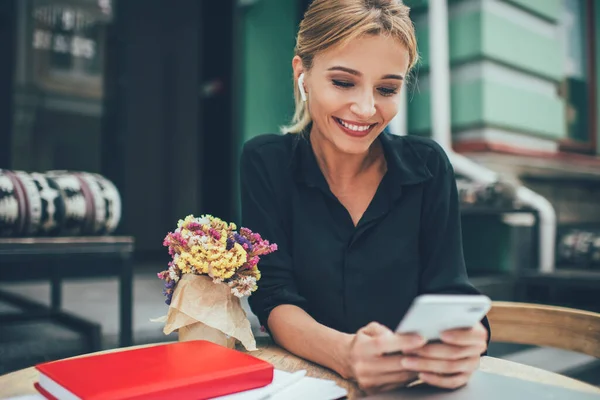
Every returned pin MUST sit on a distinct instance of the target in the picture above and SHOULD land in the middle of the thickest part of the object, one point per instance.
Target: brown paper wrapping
(203, 310)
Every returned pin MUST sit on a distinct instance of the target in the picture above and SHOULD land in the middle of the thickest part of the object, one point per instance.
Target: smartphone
(431, 314)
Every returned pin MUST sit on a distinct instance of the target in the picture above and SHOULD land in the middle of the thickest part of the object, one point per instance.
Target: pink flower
(194, 226)
(252, 262)
(163, 275)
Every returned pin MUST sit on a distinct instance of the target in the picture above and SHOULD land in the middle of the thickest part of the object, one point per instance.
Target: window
(58, 84)
(578, 85)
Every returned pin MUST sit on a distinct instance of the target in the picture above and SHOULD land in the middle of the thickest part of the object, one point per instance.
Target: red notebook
(184, 370)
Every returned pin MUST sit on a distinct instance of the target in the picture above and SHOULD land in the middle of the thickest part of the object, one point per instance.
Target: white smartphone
(431, 314)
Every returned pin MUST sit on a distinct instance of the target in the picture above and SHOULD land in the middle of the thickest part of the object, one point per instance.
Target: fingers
(445, 381)
(380, 365)
(385, 382)
(439, 366)
(466, 337)
(374, 329)
(373, 367)
(449, 352)
(379, 340)
(448, 364)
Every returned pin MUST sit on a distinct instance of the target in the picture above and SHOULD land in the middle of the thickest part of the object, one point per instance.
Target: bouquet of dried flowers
(212, 267)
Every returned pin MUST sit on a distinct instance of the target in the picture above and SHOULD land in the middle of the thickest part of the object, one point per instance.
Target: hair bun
(383, 3)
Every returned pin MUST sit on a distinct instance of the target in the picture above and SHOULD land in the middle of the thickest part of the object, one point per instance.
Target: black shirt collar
(405, 166)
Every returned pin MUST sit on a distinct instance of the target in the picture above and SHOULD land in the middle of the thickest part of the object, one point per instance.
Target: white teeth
(355, 127)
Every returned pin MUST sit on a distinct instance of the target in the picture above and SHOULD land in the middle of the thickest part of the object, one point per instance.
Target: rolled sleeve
(263, 213)
(443, 264)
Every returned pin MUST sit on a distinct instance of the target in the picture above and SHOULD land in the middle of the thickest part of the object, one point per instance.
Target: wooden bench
(54, 259)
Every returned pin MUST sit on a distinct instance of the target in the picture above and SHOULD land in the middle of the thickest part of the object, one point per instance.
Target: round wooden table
(21, 382)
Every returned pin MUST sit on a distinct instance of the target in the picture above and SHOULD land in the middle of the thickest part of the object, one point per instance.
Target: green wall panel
(520, 47)
(422, 34)
(419, 112)
(464, 39)
(268, 39)
(518, 109)
(266, 35)
(468, 104)
(424, 4)
(416, 4)
(549, 9)
(477, 35)
(484, 102)
(466, 100)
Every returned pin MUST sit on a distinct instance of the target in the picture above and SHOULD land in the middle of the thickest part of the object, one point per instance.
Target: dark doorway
(217, 104)
(7, 49)
(168, 126)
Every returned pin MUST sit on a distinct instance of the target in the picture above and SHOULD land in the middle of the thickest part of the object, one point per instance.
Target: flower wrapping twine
(203, 310)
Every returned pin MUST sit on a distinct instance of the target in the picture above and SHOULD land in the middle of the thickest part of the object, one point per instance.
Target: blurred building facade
(141, 92)
(524, 83)
(160, 95)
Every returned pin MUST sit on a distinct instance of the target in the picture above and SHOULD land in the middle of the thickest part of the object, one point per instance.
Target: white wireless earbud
(301, 86)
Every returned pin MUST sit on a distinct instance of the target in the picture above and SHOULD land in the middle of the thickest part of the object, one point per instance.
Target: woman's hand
(451, 363)
(372, 361)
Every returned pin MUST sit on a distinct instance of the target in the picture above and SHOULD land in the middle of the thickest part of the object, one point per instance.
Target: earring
(301, 86)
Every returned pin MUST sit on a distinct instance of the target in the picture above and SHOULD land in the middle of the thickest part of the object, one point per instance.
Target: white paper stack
(303, 389)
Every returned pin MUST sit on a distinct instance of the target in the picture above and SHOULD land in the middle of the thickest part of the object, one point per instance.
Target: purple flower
(245, 243)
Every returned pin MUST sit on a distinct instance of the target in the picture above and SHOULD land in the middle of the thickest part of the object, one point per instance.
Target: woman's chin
(353, 146)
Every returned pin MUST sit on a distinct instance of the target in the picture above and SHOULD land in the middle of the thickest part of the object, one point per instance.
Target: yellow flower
(184, 264)
(204, 254)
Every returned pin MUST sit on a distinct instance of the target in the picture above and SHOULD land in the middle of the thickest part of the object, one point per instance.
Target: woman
(364, 221)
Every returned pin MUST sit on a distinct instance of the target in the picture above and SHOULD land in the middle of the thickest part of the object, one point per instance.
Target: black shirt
(408, 242)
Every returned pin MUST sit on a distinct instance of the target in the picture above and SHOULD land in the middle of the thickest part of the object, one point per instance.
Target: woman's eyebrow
(345, 69)
(358, 73)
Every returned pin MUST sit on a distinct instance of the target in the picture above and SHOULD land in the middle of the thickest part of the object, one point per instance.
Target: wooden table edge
(19, 383)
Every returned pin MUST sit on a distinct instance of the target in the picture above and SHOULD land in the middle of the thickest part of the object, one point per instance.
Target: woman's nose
(364, 106)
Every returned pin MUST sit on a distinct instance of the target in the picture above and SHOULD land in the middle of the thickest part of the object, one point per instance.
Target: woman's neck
(341, 169)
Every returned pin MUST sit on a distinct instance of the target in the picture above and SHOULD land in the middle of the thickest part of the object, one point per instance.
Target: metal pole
(439, 73)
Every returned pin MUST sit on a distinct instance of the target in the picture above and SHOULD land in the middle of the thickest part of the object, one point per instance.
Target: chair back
(546, 326)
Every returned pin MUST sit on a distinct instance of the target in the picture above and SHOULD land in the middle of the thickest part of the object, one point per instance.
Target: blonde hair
(328, 23)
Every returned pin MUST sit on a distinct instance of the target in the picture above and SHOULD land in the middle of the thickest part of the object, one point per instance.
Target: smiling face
(353, 91)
